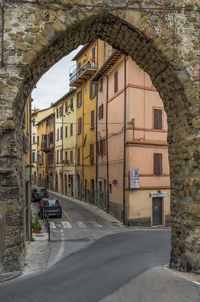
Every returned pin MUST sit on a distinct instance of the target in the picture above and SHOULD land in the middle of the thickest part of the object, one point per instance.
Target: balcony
(46, 147)
(77, 77)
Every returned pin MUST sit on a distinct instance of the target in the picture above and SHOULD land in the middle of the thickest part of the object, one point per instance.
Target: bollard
(49, 230)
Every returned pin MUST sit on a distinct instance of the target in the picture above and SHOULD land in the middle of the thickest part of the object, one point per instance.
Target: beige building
(36, 117)
(69, 143)
(132, 149)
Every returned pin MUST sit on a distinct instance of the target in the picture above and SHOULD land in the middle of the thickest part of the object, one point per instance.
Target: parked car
(51, 207)
(39, 193)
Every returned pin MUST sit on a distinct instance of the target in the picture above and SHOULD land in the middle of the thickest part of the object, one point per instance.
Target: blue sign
(115, 182)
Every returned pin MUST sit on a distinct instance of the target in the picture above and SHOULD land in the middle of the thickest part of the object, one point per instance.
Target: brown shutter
(158, 119)
(91, 153)
(157, 163)
(78, 155)
(116, 81)
(92, 119)
(71, 156)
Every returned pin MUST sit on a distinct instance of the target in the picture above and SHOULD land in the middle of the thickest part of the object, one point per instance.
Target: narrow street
(93, 257)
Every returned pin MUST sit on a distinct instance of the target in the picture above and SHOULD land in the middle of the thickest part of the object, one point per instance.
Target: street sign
(115, 182)
(133, 178)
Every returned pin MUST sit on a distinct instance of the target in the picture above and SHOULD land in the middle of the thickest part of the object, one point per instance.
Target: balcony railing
(46, 147)
(76, 77)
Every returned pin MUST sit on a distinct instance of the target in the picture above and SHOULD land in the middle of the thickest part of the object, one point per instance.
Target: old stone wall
(162, 36)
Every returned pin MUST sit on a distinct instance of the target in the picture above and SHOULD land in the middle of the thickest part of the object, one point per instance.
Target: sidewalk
(36, 255)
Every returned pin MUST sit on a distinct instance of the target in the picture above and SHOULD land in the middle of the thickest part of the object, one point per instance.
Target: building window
(79, 125)
(33, 139)
(157, 115)
(42, 157)
(92, 119)
(71, 104)
(38, 140)
(79, 99)
(110, 187)
(92, 90)
(66, 107)
(66, 131)
(61, 110)
(57, 134)
(93, 53)
(57, 156)
(61, 155)
(33, 156)
(157, 163)
(101, 147)
(33, 121)
(116, 81)
(45, 138)
(71, 129)
(71, 156)
(91, 153)
(78, 155)
(66, 156)
(100, 111)
(61, 132)
(51, 138)
(57, 113)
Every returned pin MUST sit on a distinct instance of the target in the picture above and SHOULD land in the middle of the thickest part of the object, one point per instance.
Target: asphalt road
(113, 264)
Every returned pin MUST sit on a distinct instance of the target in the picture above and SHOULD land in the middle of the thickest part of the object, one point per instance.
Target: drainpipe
(62, 143)
(124, 162)
(97, 99)
(83, 183)
(107, 165)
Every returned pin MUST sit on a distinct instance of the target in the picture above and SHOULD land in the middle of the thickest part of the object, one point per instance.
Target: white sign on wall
(133, 178)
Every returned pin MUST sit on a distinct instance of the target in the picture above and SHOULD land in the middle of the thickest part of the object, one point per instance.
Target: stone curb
(192, 277)
(9, 276)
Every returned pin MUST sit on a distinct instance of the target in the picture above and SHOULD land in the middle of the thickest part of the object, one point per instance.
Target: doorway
(157, 211)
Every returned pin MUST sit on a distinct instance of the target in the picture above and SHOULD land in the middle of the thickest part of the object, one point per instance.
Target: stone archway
(163, 40)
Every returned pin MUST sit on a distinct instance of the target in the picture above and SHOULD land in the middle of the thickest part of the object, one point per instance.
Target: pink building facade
(132, 152)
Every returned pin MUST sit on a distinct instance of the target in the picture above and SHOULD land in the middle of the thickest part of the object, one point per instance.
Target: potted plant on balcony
(36, 226)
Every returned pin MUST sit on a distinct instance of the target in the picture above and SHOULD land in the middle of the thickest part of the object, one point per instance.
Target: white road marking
(66, 224)
(81, 225)
(61, 249)
(52, 225)
(95, 224)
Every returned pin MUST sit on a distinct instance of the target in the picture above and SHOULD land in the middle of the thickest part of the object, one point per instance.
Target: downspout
(124, 162)
(107, 165)
(83, 183)
(62, 144)
(97, 99)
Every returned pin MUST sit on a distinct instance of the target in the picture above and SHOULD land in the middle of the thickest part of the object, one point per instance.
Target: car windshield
(51, 202)
(42, 190)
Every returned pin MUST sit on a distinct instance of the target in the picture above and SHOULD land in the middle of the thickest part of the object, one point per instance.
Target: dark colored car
(39, 193)
(51, 207)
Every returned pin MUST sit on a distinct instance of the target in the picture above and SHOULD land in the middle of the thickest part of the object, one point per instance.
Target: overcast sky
(54, 83)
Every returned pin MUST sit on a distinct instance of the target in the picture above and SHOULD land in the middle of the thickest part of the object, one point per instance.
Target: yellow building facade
(88, 61)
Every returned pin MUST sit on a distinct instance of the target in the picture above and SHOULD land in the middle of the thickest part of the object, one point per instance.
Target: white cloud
(54, 83)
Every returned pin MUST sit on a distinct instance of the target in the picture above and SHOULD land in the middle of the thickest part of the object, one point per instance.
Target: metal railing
(76, 73)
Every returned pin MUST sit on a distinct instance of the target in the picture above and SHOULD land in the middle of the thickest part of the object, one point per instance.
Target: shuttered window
(116, 81)
(92, 90)
(100, 111)
(71, 129)
(79, 125)
(57, 156)
(78, 155)
(93, 52)
(61, 132)
(157, 163)
(57, 134)
(92, 119)
(51, 138)
(157, 113)
(79, 99)
(66, 131)
(66, 107)
(66, 156)
(71, 156)
(71, 104)
(61, 155)
(91, 153)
